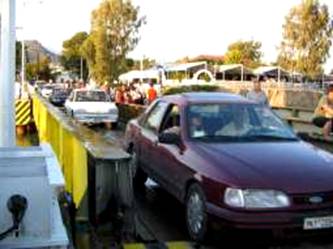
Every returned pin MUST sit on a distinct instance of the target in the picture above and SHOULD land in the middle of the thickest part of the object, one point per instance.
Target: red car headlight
(255, 198)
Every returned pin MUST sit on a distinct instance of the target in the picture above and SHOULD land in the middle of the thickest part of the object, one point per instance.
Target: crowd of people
(134, 94)
(123, 94)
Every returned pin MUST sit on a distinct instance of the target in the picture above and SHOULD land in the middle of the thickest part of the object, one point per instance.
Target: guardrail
(299, 118)
(96, 170)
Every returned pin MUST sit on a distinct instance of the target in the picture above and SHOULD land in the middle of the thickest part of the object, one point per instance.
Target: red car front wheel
(196, 216)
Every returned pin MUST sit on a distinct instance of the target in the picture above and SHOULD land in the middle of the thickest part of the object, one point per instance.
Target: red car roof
(203, 97)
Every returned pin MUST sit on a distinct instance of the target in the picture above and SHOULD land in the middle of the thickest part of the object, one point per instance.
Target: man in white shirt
(18, 92)
(257, 94)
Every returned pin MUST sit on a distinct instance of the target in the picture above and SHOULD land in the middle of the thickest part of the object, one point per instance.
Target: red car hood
(292, 167)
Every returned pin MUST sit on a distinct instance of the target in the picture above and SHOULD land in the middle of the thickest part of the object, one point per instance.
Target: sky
(174, 29)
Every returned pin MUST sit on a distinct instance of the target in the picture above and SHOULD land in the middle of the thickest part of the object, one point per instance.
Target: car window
(236, 122)
(155, 117)
(172, 120)
(91, 96)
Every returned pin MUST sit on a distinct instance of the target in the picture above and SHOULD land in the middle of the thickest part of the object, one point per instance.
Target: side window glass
(172, 120)
(155, 117)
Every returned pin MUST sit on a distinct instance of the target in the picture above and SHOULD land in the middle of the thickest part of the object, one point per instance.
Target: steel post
(7, 74)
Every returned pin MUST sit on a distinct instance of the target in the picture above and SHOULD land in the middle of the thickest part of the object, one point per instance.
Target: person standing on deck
(257, 94)
(152, 93)
(323, 116)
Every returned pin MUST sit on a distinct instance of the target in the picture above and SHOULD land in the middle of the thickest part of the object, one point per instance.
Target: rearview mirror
(169, 138)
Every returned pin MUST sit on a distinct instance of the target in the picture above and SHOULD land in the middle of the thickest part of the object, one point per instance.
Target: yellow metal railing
(71, 154)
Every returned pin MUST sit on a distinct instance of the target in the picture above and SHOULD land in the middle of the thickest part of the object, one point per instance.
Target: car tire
(196, 216)
(139, 176)
(114, 125)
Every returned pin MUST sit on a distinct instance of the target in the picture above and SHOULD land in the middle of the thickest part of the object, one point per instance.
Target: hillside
(36, 50)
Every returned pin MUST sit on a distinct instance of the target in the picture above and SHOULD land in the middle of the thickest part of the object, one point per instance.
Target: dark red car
(226, 157)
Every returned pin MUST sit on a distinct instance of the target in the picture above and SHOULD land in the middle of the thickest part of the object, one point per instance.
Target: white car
(91, 106)
(46, 90)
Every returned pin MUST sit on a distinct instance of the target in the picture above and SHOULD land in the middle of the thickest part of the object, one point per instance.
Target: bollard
(110, 191)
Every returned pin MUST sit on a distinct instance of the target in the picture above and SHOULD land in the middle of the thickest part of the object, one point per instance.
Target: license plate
(318, 223)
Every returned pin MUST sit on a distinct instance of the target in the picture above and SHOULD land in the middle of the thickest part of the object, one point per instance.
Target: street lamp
(142, 67)
(7, 75)
(81, 68)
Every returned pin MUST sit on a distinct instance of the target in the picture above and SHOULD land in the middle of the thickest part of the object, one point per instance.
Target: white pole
(141, 68)
(23, 50)
(215, 73)
(242, 72)
(81, 68)
(7, 75)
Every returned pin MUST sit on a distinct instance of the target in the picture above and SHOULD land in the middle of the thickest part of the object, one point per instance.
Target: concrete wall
(282, 96)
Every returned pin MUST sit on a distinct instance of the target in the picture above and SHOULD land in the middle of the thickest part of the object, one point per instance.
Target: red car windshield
(236, 122)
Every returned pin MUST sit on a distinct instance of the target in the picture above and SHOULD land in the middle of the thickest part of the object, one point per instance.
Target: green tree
(88, 51)
(40, 70)
(147, 63)
(114, 33)
(244, 52)
(306, 38)
(210, 59)
(72, 54)
(177, 75)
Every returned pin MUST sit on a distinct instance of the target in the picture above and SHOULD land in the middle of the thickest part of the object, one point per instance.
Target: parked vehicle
(46, 90)
(92, 107)
(231, 161)
(58, 97)
(38, 84)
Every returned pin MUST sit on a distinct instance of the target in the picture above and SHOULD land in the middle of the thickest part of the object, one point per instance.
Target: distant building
(233, 72)
(65, 76)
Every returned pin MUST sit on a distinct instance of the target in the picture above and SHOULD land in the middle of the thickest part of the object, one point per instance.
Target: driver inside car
(196, 127)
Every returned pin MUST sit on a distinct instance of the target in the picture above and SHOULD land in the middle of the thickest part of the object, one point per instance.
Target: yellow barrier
(23, 114)
(71, 154)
